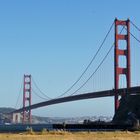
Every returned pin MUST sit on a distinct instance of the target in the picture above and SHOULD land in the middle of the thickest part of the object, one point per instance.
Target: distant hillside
(6, 109)
(50, 120)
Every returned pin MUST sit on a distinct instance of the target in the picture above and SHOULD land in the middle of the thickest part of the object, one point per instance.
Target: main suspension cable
(89, 63)
(94, 71)
(97, 67)
(100, 47)
(135, 25)
(47, 97)
(133, 35)
(37, 94)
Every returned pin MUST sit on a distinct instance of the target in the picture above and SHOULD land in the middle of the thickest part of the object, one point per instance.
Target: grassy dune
(73, 136)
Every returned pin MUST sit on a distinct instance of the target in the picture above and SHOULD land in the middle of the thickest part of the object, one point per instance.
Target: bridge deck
(99, 94)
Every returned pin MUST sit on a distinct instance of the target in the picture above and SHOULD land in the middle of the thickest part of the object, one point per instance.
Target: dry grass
(55, 135)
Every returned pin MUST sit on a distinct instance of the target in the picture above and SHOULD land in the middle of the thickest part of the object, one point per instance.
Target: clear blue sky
(54, 40)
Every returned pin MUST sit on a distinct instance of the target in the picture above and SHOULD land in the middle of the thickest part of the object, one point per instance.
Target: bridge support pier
(119, 51)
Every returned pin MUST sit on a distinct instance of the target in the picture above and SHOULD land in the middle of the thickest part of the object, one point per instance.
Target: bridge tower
(119, 51)
(27, 99)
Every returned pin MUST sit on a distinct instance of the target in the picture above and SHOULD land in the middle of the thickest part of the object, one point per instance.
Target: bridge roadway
(99, 94)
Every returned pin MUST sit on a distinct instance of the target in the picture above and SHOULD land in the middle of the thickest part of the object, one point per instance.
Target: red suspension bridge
(120, 35)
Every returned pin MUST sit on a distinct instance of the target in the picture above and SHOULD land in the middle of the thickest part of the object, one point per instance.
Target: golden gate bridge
(122, 33)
